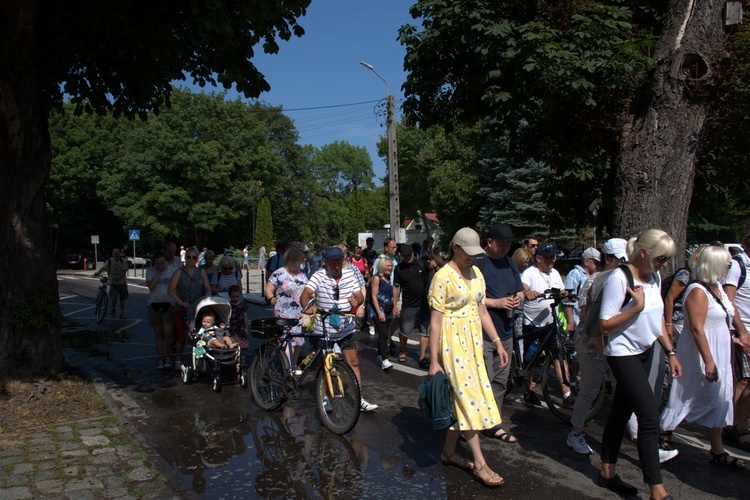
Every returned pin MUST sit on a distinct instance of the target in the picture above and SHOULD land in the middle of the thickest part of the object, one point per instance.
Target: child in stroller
(214, 352)
(213, 336)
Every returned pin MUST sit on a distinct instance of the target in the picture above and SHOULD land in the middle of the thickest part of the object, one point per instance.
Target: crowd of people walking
(628, 325)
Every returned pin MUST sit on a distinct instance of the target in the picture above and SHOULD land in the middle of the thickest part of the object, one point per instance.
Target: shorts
(156, 317)
(347, 343)
(415, 319)
(118, 291)
(741, 363)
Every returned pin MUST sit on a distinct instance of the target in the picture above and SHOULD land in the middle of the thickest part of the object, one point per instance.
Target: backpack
(590, 323)
(667, 284)
(743, 270)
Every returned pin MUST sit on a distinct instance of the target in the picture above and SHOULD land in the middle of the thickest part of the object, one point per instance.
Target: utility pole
(393, 196)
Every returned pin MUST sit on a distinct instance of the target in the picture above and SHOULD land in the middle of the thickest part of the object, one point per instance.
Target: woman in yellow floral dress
(458, 315)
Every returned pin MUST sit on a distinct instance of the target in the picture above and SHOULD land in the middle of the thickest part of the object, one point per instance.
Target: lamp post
(393, 196)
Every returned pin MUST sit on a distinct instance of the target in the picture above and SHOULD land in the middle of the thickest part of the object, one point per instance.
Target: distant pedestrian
(160, 307)
(116, 268)
(262, 257)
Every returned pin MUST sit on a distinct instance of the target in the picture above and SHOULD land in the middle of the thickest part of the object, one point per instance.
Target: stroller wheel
(186, 372)
(243, 378)
(216, 386)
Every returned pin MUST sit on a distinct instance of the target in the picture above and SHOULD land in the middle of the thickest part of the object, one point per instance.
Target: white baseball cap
(616, 247)
(592, 253)
(468, 240)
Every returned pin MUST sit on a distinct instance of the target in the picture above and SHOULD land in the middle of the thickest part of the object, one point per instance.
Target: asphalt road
(226, 447)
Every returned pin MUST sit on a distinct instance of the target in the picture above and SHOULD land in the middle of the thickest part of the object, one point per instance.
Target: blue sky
(322, 69)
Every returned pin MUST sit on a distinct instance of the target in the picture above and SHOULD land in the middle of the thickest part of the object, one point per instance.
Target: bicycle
(102, 300)
(553, 340)
(273, 380)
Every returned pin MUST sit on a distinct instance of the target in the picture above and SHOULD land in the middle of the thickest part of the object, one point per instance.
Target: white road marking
(79, 310)
(131, 323)
(409, 370)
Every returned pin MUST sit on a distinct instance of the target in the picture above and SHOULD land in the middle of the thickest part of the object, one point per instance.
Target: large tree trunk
(30, 338)
(656, 164)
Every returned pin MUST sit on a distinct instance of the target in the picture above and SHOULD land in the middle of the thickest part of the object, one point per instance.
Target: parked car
(83, 260)
(138, 262)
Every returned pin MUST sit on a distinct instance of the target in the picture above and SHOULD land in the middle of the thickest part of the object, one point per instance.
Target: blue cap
(547, 250)
(334, 253)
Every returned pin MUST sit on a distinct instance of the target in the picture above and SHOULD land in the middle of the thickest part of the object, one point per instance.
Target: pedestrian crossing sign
(135, 234)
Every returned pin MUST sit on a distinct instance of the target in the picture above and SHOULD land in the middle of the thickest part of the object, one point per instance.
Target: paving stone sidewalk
(91, 458)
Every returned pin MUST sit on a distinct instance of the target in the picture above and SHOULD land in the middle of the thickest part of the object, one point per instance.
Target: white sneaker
(386, 364)
(667, 455)
(160, 366)
(577, 441)
(167, 363)
(372, 330)
(367, 407)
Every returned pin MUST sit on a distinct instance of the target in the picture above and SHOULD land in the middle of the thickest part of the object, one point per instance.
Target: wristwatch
(671, 352)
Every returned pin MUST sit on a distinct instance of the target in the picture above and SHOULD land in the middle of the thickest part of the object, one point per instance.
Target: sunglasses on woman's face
(663, 260)
(191, 257)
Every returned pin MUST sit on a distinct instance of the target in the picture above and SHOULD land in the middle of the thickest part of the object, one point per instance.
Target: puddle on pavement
(280, 455)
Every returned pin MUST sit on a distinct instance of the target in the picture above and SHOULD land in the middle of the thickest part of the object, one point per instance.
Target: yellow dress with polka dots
(461, 347)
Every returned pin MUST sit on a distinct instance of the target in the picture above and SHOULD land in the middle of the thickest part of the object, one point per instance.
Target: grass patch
(47, 400)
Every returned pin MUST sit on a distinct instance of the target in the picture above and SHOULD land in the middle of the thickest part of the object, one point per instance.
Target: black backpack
(743, 270)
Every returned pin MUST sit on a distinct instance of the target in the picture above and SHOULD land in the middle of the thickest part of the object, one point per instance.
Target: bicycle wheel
(101, 305)
(268, 372)
(338, 402)
(553, 392)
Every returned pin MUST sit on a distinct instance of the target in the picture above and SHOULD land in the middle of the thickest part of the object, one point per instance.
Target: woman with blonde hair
(632, 320)
(704, 395)
(523, 259)
(381, 309)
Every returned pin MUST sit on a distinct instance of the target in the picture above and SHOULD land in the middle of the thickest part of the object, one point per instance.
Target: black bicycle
(553, 344)
(273, 380)
(102, 300)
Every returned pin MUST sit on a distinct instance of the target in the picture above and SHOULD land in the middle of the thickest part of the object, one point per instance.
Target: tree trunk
(30, 338)
(656, 163)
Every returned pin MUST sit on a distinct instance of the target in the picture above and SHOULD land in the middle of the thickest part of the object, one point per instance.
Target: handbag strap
(718, 301)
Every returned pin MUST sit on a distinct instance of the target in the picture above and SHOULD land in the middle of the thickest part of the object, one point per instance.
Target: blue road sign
(135, 234)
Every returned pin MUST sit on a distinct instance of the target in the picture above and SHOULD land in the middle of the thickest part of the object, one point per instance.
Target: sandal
(725, 460)
(487, 477)
(743, 445)
(665, 441)
(501, 435)
(424, 363)
(456, 461)
(402, 357)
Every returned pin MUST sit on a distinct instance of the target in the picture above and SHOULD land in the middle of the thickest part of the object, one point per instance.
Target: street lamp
(395, 210)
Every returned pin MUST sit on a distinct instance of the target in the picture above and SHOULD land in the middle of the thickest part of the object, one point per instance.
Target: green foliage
(121, 56)
(264, 225)
(513, 192)
(550, 77)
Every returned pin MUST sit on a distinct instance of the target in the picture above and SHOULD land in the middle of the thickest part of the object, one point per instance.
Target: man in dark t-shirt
(504, 295)
(369, 253)
(411, 280)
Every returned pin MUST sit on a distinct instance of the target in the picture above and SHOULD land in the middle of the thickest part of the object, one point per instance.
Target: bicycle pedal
(293, 395)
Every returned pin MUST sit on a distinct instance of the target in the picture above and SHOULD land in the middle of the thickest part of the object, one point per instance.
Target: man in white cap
(590, 259)
(591, 362)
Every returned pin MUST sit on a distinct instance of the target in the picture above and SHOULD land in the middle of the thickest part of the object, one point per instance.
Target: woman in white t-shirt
(631, 329)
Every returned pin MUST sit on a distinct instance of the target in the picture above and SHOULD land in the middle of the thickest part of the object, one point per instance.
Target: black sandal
(743, 445)
(725, 460)
(665, 441)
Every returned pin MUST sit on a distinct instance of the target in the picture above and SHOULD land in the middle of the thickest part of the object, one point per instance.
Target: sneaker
(667, 455)
(569, 400)
(530, 398)
(372, 330)
(167, 362)
(327, 405)
(367, 407)
(386, 364)
(577, 441)
(160, 366)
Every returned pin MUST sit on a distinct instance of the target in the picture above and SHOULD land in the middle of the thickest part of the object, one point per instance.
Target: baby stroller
(205, 359)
